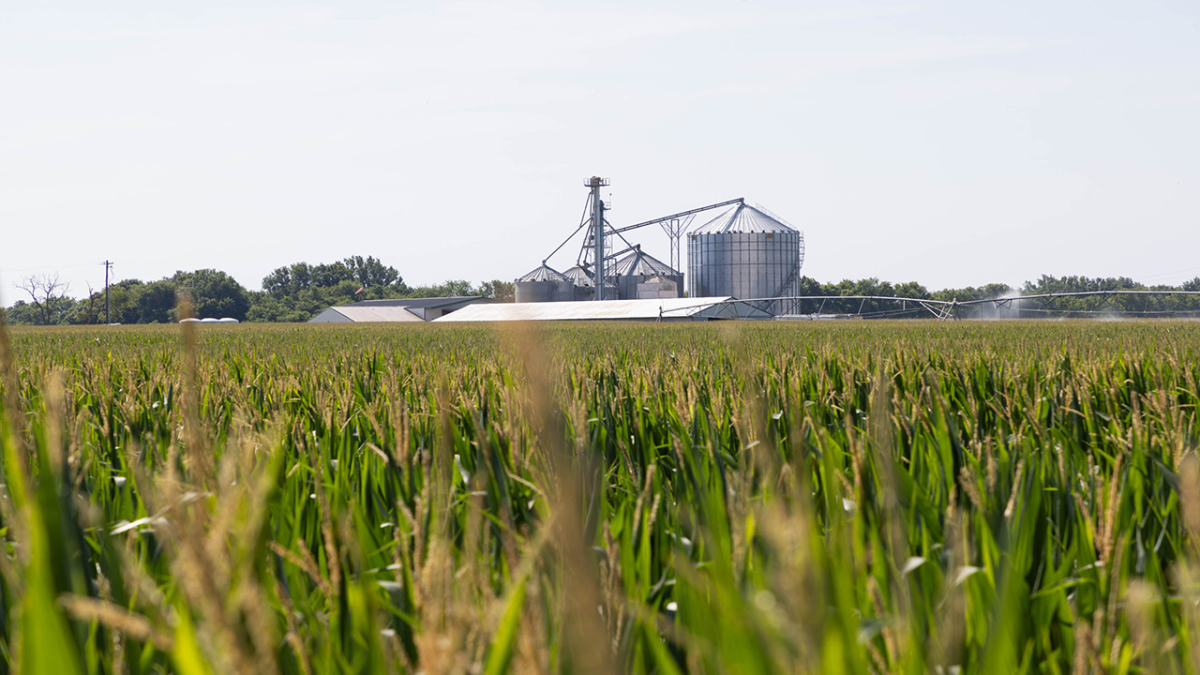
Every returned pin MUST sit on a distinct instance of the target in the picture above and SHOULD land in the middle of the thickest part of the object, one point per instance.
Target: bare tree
(91, 306)
(46, 292)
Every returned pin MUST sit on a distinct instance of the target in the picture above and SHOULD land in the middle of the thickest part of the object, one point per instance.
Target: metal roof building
(666, 309)
(399, 310)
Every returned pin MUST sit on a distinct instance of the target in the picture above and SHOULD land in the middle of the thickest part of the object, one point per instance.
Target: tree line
(300, 291)
(291, 293)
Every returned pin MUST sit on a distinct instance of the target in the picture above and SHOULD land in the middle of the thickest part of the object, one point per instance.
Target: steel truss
(794, 306)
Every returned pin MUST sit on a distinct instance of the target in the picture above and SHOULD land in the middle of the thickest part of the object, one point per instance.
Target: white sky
(948, 143)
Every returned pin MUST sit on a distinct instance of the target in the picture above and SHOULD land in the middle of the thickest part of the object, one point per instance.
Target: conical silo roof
(578, 276)
(743, 218)
(642, 263)
(543, 273)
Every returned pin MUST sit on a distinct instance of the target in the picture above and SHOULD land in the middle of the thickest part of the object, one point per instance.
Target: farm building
(403, 309)
(661, 309)
(642, 269)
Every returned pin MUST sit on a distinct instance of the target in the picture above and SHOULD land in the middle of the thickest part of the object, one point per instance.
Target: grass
(742, 498)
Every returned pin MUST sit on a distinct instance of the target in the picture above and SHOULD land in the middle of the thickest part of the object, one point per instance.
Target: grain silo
(578, 276)
(582, 281)
(638, 268)
(544, 284)
(746, 253)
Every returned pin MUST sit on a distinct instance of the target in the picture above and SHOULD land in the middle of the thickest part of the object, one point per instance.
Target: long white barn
(664, 309)
(393, 311)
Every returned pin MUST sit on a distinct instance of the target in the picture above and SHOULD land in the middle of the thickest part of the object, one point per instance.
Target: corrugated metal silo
(637, 268)
(584, 288)
(578, 276)
(541, 285)
(746, 253)
(544, 284)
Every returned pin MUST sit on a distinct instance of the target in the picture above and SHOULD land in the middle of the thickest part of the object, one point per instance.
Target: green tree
(22, 314)
(500, 291)
(284, 281)
(368, 273)
(809, 286)
(214, 294)
(123, 300)
(447, 289)
(156, 302)
(372, 273)
(911, 289)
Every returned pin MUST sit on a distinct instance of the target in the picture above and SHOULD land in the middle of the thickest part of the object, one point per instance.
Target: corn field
(991, 498)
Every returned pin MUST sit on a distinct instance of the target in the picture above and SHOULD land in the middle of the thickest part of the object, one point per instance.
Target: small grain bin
(544, 284)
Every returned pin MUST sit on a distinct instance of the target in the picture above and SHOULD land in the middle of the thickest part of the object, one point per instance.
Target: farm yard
(859, 497)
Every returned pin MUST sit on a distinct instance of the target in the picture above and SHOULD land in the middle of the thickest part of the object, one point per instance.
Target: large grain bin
(637, 268)
(746, 253)
(544, 284)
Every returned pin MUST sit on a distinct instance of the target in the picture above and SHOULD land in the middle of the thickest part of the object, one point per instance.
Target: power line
(1167, 274)
(44, 267)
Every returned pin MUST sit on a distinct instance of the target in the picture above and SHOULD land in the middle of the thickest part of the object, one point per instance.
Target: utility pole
(107, 306)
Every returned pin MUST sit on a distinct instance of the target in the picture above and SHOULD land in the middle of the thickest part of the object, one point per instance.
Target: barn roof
(613, 310)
